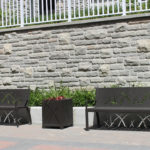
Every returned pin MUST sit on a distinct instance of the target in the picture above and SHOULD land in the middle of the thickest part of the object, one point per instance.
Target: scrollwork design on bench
(119, 117)
(119, 120)
(143, 120)
(9, 117)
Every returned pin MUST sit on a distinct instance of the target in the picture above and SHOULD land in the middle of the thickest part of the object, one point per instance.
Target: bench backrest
(8, 97)
(130, 96)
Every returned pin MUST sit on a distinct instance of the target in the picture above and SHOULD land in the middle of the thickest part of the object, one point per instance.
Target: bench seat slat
(119, 109)
(12, 107)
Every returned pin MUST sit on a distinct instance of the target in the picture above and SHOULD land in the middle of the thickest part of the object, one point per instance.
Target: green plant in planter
(54, 92)
(78, 96)
(36, 97)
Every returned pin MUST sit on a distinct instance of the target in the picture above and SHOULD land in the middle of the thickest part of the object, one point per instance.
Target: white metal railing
(24, 12)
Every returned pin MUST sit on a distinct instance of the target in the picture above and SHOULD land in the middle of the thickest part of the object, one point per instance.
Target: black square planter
(57, 113)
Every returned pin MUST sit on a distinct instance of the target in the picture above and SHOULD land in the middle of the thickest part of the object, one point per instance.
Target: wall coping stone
(77, 23)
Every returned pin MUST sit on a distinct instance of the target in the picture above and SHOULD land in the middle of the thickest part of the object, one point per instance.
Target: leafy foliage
(36, 97)
(79, 96)
(0, 13)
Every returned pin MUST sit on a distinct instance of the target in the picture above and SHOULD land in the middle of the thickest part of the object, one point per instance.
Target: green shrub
(78, 95)
(36, 97)
(0, 13)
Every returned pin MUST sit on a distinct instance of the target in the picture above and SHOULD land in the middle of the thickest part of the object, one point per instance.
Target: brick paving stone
(54, 147)
(6, 144)
(47, 147)
(34, 137)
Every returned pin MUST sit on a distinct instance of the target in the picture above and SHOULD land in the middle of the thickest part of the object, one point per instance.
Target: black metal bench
(121, 107)
(14, 108)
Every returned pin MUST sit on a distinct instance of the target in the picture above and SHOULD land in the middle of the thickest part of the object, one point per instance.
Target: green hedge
(78, 95)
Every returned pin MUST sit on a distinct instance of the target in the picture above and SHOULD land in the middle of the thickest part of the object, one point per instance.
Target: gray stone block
(106, 53)
(51, 67)
(93, 52)
(131, 79)
(125, 42)
(121, 81)
(28, 71)
(117, 67)
(80, 74)
(141, 69)
(65, 47)
(4, 57)
(109, 79)
(64, 38)
(7, 81)
(121, 27)
(93, 47)
(80, 50)
(61, 65)
(69, 79)
(143, 45)
(5, 70)
(95, 34)
(15, 68)
(41, 69)
(128, 50)
(7, 48)
(66, 72)
(104, 69)
(96, 80)
(98, 61)
(93, 74)
(144, 62)
(19, 44)
(85, 66)
(31, 61)
(84, 81)
(84, 42)
(50, 74)
(114, 73)
(80, 37)
(131, 62)
(22, 53)
(59, 55)
(124, 73)
(111, 61)
(77, 33)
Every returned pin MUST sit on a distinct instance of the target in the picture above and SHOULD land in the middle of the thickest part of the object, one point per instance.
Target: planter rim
(124, 87)
(66, 99)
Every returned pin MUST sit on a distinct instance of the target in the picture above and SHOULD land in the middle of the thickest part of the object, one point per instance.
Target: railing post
(21, 13)
(69, 10)
(124, 7)
(2, 12)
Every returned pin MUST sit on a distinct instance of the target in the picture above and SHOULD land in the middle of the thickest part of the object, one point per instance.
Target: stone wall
(93, 53)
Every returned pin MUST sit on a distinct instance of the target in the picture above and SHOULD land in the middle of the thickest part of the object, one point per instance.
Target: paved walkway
(33, 137)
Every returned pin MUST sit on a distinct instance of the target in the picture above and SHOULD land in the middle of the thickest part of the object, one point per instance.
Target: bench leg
(98, 121)
(16, 116)
(29, 116)
(86, 120)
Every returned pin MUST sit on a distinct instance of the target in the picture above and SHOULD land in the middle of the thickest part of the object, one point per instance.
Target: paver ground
(33, 137)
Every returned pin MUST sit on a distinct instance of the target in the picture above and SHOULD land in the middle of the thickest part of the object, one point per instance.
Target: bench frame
(13, 104)
(115, 109)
